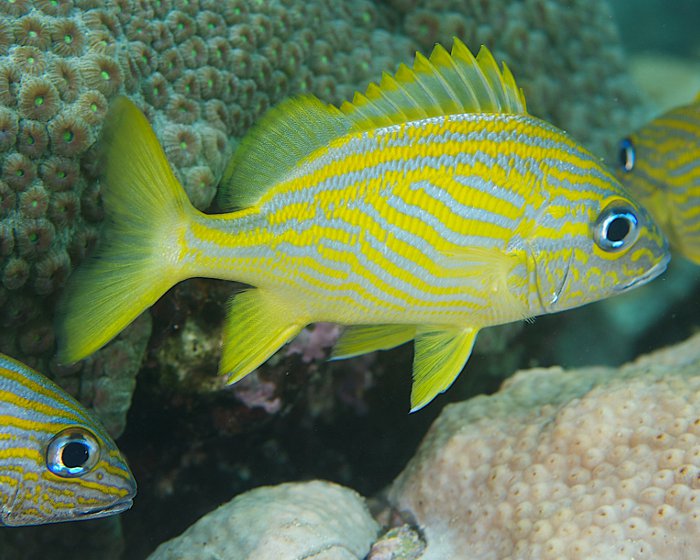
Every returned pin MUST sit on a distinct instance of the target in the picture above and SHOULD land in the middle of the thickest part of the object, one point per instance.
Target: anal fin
(361, 339)
(257, 325)
(440, 355)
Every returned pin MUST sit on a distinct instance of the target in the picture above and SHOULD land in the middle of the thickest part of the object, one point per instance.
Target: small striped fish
(56, 462)
(660, 165)
(428, 208)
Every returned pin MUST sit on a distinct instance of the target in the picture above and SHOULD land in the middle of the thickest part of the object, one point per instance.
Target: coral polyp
(182, 145)
(52, 272)
(38, 99)
(31, 31)
(70, 135)
(33, 202)
(29, 59)
(64, 208)
(67, 38)
(33, 138)
(15, 274)
(34, 237)
(18, 171)
(59, 173)
(102, 73)
(65, 76)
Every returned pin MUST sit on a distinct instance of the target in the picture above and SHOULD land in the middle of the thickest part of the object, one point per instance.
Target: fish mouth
(117, 507)
(650, 274)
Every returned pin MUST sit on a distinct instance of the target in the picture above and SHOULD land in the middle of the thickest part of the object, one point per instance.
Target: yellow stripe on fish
(430, 207)
(56, 462)
(660, 164)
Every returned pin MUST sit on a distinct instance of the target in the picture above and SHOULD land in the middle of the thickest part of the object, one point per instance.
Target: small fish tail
(137, 261)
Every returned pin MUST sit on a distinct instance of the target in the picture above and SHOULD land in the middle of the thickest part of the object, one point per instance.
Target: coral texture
(311, 521)
(592, 463)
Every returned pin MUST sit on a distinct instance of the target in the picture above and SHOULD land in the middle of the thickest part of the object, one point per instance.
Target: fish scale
(429, 207)
(34, 414)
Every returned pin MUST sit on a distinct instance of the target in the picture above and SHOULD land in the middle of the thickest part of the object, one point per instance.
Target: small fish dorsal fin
(284, 136)
(444, 84)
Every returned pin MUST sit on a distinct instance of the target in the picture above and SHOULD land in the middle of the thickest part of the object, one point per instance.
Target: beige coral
(297, 521)
(594, 463)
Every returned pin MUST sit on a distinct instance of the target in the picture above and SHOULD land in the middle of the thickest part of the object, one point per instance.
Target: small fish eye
(72, 453)
(616, 228)
(627, 155)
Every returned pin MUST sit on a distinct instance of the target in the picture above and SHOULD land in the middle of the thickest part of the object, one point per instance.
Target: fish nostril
(627, 155)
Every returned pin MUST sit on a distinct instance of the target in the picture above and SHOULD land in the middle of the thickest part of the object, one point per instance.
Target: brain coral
(594, 463)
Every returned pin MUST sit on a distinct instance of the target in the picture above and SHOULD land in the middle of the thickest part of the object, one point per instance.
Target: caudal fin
(137, 260)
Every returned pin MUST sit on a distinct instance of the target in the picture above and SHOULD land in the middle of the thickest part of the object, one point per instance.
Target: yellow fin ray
(439, 357)
(443, 84)
(136, 262)
(257, 325)
(361, 339)
(278, 142)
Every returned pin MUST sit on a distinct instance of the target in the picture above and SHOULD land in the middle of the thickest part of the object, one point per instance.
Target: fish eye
(616, 228)
(627, 155)
(72, 453)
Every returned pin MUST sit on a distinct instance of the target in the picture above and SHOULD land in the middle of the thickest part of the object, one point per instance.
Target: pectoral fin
(440, 355)
(361, 339)
(256, 326)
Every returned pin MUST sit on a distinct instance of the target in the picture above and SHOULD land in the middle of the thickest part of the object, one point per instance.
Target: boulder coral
(297, 521)
(593, 463)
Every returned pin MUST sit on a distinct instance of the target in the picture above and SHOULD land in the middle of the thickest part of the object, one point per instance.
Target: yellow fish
(428, 208)
(660, 164)
(56, 462)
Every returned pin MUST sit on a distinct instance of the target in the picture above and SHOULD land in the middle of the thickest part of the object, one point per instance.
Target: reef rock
(311, 521)
(594, 463)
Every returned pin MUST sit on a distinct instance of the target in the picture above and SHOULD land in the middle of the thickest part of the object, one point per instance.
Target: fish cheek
(549, 272)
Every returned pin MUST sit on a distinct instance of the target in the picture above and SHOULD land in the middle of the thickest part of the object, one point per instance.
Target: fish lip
(650, 274)
(117, 507)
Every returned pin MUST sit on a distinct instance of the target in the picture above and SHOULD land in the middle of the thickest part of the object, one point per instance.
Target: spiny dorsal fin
(443, 84)
(283, 137)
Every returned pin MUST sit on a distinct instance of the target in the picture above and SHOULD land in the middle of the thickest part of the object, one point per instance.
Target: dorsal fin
(283, 137)
(443, 84)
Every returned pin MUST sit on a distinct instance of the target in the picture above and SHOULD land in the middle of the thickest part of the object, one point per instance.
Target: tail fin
(137, 261)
